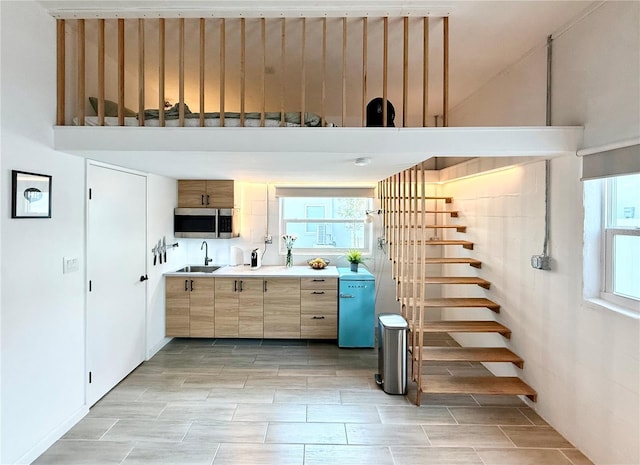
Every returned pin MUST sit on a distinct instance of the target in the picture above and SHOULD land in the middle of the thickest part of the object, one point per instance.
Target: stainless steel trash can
(392, 353)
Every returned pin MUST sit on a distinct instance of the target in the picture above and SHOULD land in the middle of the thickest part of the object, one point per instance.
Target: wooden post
(61, 70)
(445, 77)
(364, 71)
(80, 73)
(243, 66)
(222, 66)
(303, 73)
(141, 93)
(120, 72)
(202, 68)
(101, 78)
(425, 70)
(405, 72)
(161, 28)
(385, 71)
(181, 72)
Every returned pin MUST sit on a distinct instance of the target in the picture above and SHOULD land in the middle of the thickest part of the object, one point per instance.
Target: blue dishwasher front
(356, 308)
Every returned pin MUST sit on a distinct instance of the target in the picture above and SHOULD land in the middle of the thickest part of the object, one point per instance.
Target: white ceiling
(486, 37)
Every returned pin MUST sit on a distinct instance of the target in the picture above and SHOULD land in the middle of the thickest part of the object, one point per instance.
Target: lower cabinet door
(226, 304)
(201, 321)
(282, 308)
(251, 308)
(176, 307)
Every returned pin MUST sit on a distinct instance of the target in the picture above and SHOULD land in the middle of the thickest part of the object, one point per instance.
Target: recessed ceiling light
(362, 161)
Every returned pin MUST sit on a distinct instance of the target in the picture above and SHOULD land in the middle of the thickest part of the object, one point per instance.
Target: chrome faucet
(207, 260)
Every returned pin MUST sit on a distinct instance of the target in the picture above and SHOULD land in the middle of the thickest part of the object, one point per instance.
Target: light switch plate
(70, 264)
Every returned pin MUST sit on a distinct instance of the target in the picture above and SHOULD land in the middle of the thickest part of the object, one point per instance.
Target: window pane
(313, 212)
(625, 201)
(626, 266)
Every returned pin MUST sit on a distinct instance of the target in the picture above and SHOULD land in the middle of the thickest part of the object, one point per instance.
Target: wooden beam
(405, 71)
(283, 38)
(344, 71)
(364, 72)
(80, 91)
(120, 72)
(61, 70)
(425, 70)
(385, 69)
(243, 67)
(161, 71)
(141, 90)
(263, 41)
(181, 72)
(222, 66)
(303, 72)
(202, 69)
(101, 77)
(445, 74)
(324, 72)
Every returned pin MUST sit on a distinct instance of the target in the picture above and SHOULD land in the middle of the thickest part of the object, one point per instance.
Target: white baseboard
(155, 349)
(46, 442)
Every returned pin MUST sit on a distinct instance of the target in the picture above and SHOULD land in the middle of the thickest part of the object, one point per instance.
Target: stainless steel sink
(198, 269)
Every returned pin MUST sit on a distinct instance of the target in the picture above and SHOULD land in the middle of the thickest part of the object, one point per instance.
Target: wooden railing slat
(141, 88)
(61, 71)
(121, 50)
(80, 90)
(161, 71)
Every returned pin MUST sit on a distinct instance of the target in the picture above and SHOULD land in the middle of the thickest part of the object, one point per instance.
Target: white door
(116, 262)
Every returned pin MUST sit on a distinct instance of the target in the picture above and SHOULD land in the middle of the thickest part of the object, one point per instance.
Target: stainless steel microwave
(206, 223)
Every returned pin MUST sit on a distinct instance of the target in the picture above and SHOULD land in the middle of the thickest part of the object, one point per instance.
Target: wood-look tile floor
(241, 402)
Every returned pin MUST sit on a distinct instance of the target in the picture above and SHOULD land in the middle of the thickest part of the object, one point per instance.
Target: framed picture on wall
(30, 195)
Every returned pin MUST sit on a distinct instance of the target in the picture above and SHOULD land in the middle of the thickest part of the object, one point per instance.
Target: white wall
(42, 309)
(582, 360)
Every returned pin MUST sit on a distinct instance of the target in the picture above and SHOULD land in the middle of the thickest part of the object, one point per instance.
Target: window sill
(600, 304)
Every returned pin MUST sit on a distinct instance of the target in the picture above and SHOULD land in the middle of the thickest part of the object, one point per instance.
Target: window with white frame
(621, 237)
(327, 221)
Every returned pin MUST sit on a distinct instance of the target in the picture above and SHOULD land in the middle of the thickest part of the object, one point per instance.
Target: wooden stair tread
(446, 261)
(470, 354)
(401, 197)
(465, 244)
(453, 213)
(458, 280)
(458, 228)
(464, 326)
(495, 385)
(459, 302)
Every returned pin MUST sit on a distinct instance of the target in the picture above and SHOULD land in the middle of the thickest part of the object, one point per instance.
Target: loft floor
(204, 402)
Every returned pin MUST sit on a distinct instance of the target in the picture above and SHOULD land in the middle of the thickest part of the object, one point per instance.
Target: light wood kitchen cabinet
(282, 308)
(198, 193)
(238, 307)
(189, 307)
(319, 308)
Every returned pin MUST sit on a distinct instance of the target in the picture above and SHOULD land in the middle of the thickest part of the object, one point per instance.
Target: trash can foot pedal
(378, 379)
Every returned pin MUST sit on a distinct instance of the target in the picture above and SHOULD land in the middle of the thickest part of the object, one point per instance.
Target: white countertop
(265, 271)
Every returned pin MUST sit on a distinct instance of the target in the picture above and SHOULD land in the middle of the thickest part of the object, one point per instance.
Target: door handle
(207, 199)
(143, 278)
(265, 285)
(347, 296)
(202, 199)
(240, 285)
(235, 285)
(192, 285)
(186, 285)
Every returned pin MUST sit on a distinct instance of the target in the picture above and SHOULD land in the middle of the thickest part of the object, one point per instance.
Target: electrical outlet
(268, 239)
(70, 265)
(540, 262)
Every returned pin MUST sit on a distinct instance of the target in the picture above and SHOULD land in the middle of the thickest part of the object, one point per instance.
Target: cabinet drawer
(318, 283)
(320, 325)
(323, 300)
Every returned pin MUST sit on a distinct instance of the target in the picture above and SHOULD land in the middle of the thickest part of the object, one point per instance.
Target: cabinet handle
(186, 285)
(202, 199)
(318, 280)
(235, 285)
(207, 199)
(265, 285)
(317, 318)
(192, 285)
(316, 292)
(241, 285)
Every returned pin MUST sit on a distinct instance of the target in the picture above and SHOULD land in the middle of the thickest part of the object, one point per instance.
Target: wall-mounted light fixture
(362, 161)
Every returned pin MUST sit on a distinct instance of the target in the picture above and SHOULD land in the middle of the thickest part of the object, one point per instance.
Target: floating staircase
(404, 200)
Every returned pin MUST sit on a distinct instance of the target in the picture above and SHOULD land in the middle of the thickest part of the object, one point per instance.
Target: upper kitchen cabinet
(199, 193)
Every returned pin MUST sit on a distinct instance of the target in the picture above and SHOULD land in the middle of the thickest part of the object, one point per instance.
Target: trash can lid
(392, 320)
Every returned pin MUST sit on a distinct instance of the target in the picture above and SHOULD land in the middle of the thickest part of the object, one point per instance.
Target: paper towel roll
(236, 256)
